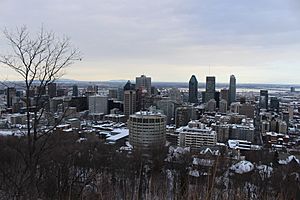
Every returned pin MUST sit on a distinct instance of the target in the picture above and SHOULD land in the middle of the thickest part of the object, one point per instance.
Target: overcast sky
(169, 40)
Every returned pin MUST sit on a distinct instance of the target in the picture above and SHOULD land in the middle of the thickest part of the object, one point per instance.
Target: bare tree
(39, 60)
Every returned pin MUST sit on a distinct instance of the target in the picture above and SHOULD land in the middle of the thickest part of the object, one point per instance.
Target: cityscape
(149, 100)
(210, 133)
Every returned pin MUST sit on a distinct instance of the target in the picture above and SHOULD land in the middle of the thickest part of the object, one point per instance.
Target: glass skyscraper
(193, 90)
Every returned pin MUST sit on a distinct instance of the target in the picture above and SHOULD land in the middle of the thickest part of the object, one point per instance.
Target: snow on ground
(242, 167)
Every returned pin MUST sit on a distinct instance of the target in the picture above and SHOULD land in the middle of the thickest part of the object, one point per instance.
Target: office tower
(210, 88)
(120, 94)
(143, 83)
(10, 95)
(232, 89)
(224, 94)
(175, 95)
(129, 102)
(211, 105)
(75, 91)
(193, 90)
(96, 89)
(168, 109)
(52, 90)
(274, 104)
(81, 103)
(293, 89)
(223, 106)
(217, 98)
(98, 104)
(147, 130)
(129, 98)
(184, 114)
(263, 100)
(129, 86)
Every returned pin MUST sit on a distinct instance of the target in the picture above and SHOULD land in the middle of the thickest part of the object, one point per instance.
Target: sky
(258, 41)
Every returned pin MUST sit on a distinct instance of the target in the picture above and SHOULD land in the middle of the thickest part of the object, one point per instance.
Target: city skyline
(169, 40)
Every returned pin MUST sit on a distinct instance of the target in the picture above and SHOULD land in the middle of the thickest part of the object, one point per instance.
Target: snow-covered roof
(121, 133)
(194, 173)
(288, 160)
(10, 132)
(242, 167)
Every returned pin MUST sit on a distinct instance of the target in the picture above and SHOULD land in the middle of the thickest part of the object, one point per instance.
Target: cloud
(169, 35)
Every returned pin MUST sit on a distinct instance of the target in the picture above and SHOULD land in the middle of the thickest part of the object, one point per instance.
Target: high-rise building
(52, 90)
(143, 83)
(224, 94)
(81, 103)
(293, 89)
(98, 104)
(184, 114)
(210, 88)
(168, 109)
(75, 91)
(232, 89)
(147, 130)
(129, 102)
(175, 95)
(274, 104)
(193, 90)
(10, 95)
(129, 86)
(211, 105)
(129, 98)
(263, 100)
(223, 106)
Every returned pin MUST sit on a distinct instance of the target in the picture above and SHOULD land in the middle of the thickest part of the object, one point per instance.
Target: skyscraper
(274, 104)
(52, 90)
(98, 104)
(193, 90)
(210, 88)
(143, 83)
(129, 102)
(10, 95)
(224, 94)
(232, 89)
(75, 91)
(129, 99)
(263, 100)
